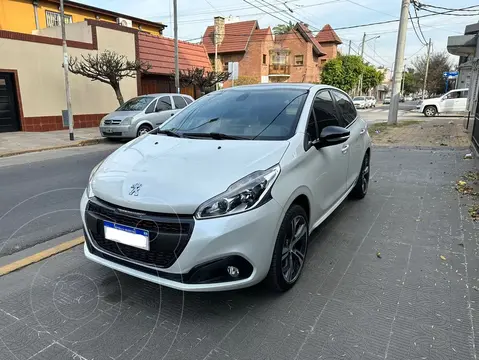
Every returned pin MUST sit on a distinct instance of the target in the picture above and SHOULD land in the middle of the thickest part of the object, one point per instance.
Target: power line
(414, 27)
(420, 5)
(210, 4)
(419, 25)
(422, 47)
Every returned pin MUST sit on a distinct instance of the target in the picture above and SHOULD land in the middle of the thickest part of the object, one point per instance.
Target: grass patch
(384, 127)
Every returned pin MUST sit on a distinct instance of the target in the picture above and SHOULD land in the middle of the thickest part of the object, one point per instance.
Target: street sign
(450, 73)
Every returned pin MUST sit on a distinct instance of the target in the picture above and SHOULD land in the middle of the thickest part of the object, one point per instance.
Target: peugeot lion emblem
(135, 189)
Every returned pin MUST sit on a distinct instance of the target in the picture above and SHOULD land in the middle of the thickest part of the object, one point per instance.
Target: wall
(18, 16)
(331, 50)
(41, 81)
(77, 31)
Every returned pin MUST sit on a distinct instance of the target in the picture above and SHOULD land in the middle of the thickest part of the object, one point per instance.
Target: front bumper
(360, 106)
(247, 239)
(118, 131)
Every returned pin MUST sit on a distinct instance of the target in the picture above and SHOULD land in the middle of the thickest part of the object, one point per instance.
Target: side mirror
(331, 135)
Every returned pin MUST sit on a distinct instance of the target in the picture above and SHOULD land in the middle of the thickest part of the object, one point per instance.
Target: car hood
(430, 101)
(120, 115)
(176, 175)
(358, 101)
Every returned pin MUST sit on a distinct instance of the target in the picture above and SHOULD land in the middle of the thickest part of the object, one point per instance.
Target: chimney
(219, 29)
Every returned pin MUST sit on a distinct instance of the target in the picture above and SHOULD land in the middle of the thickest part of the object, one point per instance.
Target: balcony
(279, 70)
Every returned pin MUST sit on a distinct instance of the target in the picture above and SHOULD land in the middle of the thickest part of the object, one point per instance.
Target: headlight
(245, 194)
(89, 191)
(127, 120)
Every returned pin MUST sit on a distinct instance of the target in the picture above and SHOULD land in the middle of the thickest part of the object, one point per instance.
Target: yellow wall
(41, 81)
(18, 16)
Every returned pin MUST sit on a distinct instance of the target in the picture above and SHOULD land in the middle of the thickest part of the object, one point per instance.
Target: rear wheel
(143, 129)
(290, 250)
(361, 188)
(430, 111)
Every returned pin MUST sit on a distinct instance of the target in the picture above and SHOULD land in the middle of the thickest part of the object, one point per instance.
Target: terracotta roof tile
(304, 30)
(327, 34)
(236, 37)
(160, 53)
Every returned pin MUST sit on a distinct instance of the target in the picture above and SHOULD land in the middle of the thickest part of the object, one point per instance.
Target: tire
(430, 110)
(143, 129)
(279, 278)
(361, 188)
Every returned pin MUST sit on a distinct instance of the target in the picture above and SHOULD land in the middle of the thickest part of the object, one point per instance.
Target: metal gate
(475, 129)
(9, 120)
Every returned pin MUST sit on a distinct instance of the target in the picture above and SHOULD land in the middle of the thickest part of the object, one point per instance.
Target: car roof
(162, 94)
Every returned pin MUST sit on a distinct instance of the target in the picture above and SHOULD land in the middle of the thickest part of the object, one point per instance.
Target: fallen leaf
(461, 244)
(468, 156)
(442, 257)
(378, 254)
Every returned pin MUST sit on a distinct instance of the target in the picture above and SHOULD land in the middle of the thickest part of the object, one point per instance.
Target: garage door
(9, 119)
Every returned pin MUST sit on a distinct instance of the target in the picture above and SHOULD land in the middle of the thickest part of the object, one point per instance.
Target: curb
(78, 144)
(29, 260)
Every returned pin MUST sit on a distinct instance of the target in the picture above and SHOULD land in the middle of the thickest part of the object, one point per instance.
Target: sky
(195, 16)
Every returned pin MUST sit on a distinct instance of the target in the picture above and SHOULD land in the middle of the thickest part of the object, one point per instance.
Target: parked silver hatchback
(141, 114)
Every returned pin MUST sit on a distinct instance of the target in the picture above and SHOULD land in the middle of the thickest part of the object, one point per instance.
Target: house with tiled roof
(293, 57)
(329, 40)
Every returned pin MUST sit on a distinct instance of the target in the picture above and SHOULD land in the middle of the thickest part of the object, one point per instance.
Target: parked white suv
(227, 192)
(455, 101)
(371, 101)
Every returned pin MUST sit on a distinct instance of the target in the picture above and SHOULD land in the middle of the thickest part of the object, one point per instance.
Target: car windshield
(136, 104)
(358, 98)
(246, 113)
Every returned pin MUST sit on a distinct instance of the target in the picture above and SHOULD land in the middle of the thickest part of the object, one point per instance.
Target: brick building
(296, 56)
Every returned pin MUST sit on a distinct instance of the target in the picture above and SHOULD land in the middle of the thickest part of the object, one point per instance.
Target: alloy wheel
(294, 249)
(365, 175)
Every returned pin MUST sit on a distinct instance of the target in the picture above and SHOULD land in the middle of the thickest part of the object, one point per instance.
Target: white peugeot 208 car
(226, 193)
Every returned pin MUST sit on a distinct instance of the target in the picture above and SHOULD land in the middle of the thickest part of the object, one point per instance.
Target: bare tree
(439, 63)
(107, 67)
(201, 78)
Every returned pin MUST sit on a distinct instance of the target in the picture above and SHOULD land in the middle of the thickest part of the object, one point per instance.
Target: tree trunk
(119, 96)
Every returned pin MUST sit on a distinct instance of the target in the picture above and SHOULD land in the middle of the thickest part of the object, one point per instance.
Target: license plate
(108, 130)
(127, 235)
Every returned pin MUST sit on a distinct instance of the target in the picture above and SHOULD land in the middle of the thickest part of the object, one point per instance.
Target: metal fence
(54, 18)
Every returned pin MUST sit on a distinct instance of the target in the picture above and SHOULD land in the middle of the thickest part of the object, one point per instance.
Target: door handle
(172, 114)
(345, 149)
(362, 132)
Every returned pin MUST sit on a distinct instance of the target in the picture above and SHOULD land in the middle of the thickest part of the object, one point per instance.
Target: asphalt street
(40, 194)
(393, 276)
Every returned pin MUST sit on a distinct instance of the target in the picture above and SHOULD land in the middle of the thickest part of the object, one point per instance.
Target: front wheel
(361, 188)
(289, 253)
(430, 111)
(143, 129)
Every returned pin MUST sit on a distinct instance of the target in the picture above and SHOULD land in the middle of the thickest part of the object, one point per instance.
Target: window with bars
(54, 18)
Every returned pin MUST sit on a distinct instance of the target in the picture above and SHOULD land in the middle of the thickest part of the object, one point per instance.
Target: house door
(9, 119)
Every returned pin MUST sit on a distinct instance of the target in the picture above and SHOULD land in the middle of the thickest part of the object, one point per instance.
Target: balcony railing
(279, 69)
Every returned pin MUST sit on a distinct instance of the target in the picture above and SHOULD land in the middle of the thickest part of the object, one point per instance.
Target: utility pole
(362, 54)
(175, 29)
(427, 69)
(401, 44)
(349, 51)
(403, 80)
(65, 72)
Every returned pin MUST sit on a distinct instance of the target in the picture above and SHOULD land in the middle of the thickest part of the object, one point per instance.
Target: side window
(453, 95)
(180, 102)
(346, 107)
(164, 103)
(151, 107)
(188, 100)
(324, 112)
(464, 94)
(311, 129)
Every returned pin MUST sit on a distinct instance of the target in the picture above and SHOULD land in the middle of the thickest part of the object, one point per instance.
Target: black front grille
(169, 234)
(114, 133)
(112, 122)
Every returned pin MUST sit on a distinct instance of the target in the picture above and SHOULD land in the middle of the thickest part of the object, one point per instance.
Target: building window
(298, 60)
(225, 66)
(54, 19)
(264, 58)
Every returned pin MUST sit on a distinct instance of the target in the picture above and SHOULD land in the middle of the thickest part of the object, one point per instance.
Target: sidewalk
(421, 132)
(14, 143)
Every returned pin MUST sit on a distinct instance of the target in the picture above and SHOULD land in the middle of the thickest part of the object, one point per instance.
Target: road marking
(19, 264)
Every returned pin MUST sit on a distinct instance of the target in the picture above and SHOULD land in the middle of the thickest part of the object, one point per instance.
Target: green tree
(411, 82)
(343, 72)
(371, 77)
(439, 62)
(283, 28)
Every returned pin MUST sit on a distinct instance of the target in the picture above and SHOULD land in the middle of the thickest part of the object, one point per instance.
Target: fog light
(233, 271)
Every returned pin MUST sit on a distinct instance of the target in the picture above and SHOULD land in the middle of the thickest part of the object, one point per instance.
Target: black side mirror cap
(331, 135)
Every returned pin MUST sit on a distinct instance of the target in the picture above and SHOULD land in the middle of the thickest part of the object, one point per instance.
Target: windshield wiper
(216, 136)
(168, 133)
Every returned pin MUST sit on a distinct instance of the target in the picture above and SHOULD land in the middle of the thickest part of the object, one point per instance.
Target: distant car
(408, 98)
(387, 100)
(141, 114)
(371, 101)
(360, 102)
(455, 101)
